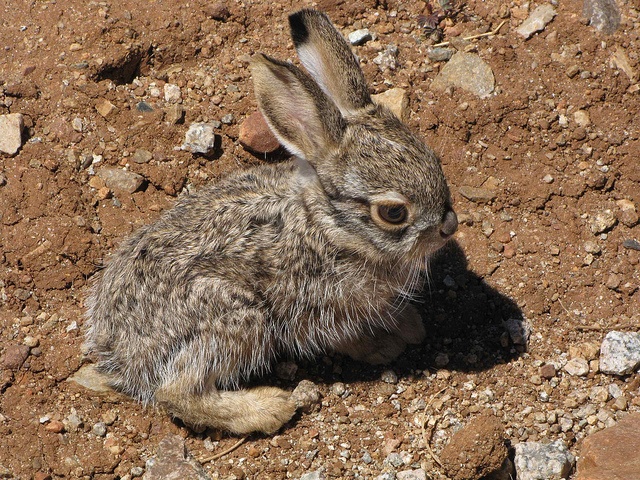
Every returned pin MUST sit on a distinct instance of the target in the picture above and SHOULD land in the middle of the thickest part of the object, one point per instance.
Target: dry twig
(495, 31)
(221, 454)
(427, 435)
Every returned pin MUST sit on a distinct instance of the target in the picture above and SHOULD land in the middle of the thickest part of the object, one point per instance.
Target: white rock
(581, 117)
(360, 37)
(11, 127)
(620, 353)
(578, 367)
(538, 19)
(539, 461)
(172, 93)
(200, 138)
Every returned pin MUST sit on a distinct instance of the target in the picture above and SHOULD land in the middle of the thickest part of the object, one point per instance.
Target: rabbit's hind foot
(260, 409)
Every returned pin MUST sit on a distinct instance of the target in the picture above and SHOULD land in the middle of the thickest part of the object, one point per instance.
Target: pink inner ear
(311, 59)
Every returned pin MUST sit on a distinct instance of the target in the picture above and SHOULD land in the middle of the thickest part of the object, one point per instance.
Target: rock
(105, 107)
(396, 100)
(602, 222)
(174, 114)
(227, 119)
(119, 179)
(518, 329)
(628, 214)
(218, 11)
(612, 453)
(477, 194)
(306, 395)
(547, 371)
(539, 461)
(88, 377)
(360, 37)
(440, 54)
(603, 15)
(11, 127)
(255, 135)
(144, 107)
(418, 474)
(200, 138)
(620, 59)
(467, 71)
(387, 59)
(578, 367)
(14, 356)
(476, 450)
(620, 353)
(389, 376)
(172, 93)
(99, 429)
(581, 117)
(141, 156)
(537, 20)
(317, 475)
(173, 461)
(631, 244)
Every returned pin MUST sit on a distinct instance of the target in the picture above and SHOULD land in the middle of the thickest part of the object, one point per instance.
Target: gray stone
(477, 194)
(141, 156)
(603, 15)
(306, 395)
(387, 59)
(540, 461)
(317, 475)
(467, 71)
(440, 54)
(537, 20)
(119, 179)
(360, 37)
(518, 329)
(200, 138)
(418, 474)
(394, 459)
(396, 100)
(173, 462)
(11, 127)
(389, 376)
(620, 353)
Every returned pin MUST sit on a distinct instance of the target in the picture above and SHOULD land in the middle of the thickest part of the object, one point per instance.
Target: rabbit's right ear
(299, 113)
(327, 56)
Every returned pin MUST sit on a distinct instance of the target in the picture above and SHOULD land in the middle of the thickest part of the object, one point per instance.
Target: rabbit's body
(294, 259)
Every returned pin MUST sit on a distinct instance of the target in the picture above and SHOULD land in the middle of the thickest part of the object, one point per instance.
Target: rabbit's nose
(449, 224)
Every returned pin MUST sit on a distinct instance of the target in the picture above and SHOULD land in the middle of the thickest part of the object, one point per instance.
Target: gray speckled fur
(277, 259)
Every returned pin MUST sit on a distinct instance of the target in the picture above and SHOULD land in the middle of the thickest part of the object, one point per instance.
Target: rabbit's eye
(394, 214)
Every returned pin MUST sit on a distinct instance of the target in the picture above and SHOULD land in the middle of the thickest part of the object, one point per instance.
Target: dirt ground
(557, 145)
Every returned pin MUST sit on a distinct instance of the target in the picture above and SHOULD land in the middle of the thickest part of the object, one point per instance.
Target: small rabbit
(317, 254)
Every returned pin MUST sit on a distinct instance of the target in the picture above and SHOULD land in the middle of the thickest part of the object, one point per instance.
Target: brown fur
(293, 258)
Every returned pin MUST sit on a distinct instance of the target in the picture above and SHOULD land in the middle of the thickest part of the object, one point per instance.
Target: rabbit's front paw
(410, 326)
(382, 348)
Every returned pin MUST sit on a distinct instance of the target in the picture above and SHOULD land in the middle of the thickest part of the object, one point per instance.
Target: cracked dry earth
(545, 175)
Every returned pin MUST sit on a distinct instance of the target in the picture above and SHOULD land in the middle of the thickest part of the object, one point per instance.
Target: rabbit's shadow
(465, 322)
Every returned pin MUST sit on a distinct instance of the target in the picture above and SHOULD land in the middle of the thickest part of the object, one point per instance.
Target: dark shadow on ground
(464, 318)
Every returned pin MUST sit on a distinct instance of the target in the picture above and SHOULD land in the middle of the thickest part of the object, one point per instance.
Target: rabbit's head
(382, 189)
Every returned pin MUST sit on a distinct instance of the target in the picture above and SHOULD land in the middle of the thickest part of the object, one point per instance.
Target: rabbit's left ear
(298, 112)
(328, 58)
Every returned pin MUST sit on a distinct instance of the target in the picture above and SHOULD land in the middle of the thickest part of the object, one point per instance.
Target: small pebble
(360, 37)
(99, 429)
(172, 93)
(389, 376)
(577, 367)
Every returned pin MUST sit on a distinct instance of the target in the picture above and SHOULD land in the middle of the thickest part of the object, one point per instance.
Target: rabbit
(321, 253)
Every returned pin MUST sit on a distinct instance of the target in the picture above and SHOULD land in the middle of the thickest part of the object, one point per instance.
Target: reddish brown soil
(522, 254)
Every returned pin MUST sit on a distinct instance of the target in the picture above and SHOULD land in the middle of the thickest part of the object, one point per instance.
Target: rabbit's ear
(298, 112)
(328, 58)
